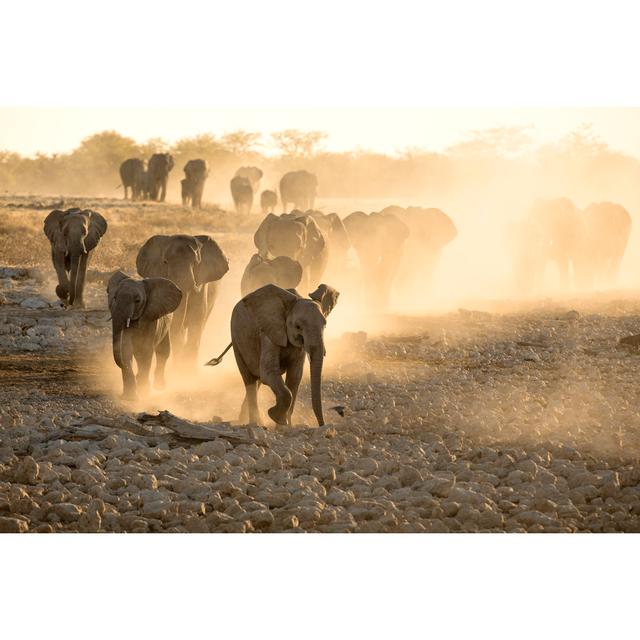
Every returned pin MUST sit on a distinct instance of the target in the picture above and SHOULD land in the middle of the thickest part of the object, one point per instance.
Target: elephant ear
(150, 259)
(97, 228)
(113, 284)
(269, 307)
(260, 236)
(163, 297)
(213, 262)
(339, 235)
(288, 271)
(52, 225)
(327, 297)
(315, 238)
(397, 230)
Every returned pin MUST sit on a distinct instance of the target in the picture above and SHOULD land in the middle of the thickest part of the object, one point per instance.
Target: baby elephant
(282, 271)
(141, 315)
(272, 329)
(268, 201)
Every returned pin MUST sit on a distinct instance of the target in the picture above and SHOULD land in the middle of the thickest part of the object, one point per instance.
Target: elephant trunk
(75, 264)
(120, 319)
(316, 358)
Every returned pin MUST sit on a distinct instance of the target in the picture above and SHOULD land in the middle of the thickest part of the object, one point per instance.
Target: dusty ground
(521, 418)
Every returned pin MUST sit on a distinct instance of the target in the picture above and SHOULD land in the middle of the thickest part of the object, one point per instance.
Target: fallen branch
(193, 431)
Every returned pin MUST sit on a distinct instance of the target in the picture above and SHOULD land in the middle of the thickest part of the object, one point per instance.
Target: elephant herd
(149, 182)
(164, 309)
(586, 246)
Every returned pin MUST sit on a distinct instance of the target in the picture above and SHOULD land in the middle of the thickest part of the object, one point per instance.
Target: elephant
(272, 329)
(242, 193)
(141, 316)
(196, 173)
(194, 264)
(300, 188)
(268, 201)
(73, 234)
(337, 238)
(560, 225)
(379, 240)
(430, 230)
(281, 271)
(253, 174)
(298, 237)
(607, 230)
(134, 176)
(159, 167)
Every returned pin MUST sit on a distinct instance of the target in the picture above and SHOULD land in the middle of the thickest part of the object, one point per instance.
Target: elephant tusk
(128, 322)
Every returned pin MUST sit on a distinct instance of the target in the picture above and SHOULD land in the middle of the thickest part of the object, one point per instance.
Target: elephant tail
(118, 187)
(215, 361)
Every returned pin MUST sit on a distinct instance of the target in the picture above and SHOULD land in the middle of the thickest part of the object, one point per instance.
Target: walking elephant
(242, 194)
(430, 230)
(379, 240)
(141, 316)
(337, 239)
(272, 330)
(281, 271)
(73, 234)
(194, 264)
(607, 230)
(196, 173)
(133, 176)
(299, 188)
(252, 174)
(560, 225)
(159, 167)
(268, 201)
(296, 236)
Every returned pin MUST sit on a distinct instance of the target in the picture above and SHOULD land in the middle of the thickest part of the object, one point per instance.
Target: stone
(440, 486)
(13, 525)
(261, 519)
(145, 481)
(366, 466)
(34, 302)
(27, 471)
(66, 511)
(409, 476)
(269, 462)
(340, 498)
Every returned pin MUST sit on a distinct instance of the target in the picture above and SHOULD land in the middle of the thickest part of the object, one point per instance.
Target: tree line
(579, 164)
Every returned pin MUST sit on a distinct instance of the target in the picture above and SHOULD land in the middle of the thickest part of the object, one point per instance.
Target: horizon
(387, 130)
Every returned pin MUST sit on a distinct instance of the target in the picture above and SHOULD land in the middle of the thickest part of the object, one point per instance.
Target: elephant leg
(271, 376)
(163, 193)
(144, 356)
(80, 278)
(195, 321)
(250, 409)
(177, 330)
(163, 351)
(62, 290)
(292, 381)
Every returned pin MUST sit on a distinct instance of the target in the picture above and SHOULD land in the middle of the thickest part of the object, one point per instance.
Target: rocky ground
(522, 419)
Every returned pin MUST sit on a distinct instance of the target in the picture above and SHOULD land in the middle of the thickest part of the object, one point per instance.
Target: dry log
(193, 431)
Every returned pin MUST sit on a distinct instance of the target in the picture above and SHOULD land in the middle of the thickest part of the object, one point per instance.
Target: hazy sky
(29, 130)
